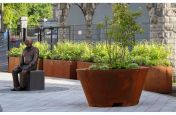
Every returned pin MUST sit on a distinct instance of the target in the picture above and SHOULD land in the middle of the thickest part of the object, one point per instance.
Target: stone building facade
(163, 24)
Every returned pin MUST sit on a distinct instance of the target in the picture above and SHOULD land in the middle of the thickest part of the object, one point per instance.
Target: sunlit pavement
(67, 95)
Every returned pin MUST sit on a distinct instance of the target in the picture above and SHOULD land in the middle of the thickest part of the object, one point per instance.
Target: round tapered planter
(159, 79)
(83, 65)
(107, 88)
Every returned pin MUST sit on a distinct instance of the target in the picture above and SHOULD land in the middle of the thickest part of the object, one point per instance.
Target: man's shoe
(22, 89)
(15, 89)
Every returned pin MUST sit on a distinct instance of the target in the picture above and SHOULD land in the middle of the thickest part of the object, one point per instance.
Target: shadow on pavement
(49, 88)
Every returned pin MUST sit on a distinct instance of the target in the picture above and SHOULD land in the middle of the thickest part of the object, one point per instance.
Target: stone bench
(35, 80)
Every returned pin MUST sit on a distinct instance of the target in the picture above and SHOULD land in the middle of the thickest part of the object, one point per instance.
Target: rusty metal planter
(82, 65)
(14, 61)
(159, 79)
(60, 68)
(40, 64)
(107, 88)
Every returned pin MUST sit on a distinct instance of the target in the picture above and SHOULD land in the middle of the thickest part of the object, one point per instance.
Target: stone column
(88, 11)
(156, 13)
(55, 11)
(163, 24)
(63, 9)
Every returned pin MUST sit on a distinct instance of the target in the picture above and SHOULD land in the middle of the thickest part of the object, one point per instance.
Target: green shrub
(100, 53)
(86, 51)
(121, 37)
(67, 51)
(151, 54)
(133, 65)
(43, 49)
(16, 52)
(99, 67)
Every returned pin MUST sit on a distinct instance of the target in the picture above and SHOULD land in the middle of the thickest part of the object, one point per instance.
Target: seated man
(28, 63)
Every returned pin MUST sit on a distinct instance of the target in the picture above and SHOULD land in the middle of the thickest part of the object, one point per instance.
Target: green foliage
(16, 52)
(86, 49)
(67, 51)
(100, 26)
(121, 35)
(100, 53)
(133, 65)
(123, 25)
(151, 54)
(39, 11)
(99, 67)
(43, 49)
(34, 12)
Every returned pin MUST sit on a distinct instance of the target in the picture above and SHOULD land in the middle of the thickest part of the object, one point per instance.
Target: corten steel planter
(40, 64)
(82, 65)
(159, 79)
(107, 88)
(60, 68)
(48, 67)
(13, 62)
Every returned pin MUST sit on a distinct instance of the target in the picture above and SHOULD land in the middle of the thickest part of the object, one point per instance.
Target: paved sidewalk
(67, 95)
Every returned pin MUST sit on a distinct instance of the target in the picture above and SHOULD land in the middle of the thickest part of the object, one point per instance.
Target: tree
(38, 11)
(34, 12)
(123, 28)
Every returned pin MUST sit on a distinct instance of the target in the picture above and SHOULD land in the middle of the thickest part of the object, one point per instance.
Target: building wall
(76, 17)
(102, 10)
(143, 20)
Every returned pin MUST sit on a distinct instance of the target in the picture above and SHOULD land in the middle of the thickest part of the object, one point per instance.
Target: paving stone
(0, 108)
(64, 95)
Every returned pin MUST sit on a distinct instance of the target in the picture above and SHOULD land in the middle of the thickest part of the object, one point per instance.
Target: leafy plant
(34, 12)
(86, 51)
(67, 51)
(100, 53)
(151, 54)
(16, 52)
(101, 66)
(121, 37)
(43, 49)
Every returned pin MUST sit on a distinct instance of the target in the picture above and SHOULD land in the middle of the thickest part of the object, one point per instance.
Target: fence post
(24, 34)
(51, 38)
(8, 40)
(38, 34)
(57, 34)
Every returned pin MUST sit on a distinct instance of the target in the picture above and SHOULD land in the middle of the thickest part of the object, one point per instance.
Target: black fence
(53, 35)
